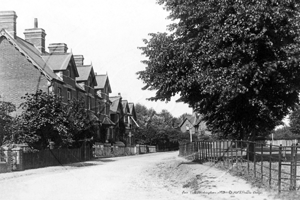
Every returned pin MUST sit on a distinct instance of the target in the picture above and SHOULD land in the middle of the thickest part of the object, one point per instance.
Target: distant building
(193, 124)
(103, 89)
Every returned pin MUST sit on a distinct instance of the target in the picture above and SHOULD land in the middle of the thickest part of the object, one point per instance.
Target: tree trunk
(251, 149)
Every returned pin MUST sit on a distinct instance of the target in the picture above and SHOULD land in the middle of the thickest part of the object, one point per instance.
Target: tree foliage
(295, 121)
(6, 108)
(158, 128)
(234, 61)
(283, 133)
(45, 118)
(41, 121)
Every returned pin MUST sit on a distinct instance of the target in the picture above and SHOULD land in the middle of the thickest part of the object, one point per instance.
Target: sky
(107, 33)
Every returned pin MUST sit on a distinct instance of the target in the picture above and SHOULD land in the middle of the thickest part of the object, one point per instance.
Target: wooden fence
(276, 166)
(55, 157)
(104, 150)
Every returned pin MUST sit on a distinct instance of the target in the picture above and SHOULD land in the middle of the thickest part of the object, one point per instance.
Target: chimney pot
(36, 36)
(58, 48)
(8, 21)
(78, 60)
(36, 23)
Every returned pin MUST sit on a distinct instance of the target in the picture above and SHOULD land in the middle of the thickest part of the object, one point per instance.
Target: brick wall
(17, 75)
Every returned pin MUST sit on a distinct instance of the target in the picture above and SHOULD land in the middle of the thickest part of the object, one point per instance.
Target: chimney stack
(36, 36)
(78, 60)
(58, 48)
(8, 21)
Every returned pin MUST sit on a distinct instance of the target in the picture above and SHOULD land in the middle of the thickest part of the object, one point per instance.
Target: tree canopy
(46, 119)
(157, 128)
(234, 61)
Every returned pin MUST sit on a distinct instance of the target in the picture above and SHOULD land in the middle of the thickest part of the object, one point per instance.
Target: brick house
(126, 118)
(103, 89)
(63, 65)
(193, 124)
(133, 125)
(26, 66)
(117, 116)
(22, 69)
(87, 82)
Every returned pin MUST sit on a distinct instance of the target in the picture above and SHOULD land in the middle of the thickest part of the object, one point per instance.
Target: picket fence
(276, 166)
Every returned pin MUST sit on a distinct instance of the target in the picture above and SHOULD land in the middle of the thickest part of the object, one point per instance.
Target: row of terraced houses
(26, 65)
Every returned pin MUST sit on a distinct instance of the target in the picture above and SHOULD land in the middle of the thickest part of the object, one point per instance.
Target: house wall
(90, 93)
(183, 128)
(17, 75)
(69, 80)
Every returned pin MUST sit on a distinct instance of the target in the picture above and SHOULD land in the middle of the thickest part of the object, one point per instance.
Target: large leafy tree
(234, 61)
(41, 121)
(81, 123)
(46, 119)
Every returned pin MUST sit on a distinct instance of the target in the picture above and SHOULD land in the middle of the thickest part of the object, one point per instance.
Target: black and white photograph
(149, 99)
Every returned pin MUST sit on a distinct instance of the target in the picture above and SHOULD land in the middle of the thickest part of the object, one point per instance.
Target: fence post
(205, 151)
(212, 150)
(220, 149)
(279, 168)
(216, 151)
(236, 152)
(248, 152)
(261, 161)
(296, 164)
(293, 171)
(201, 149)
(198, 150)
(227, 153)
(231, 151)
(254, 159)
(241, 146)
(270, 165)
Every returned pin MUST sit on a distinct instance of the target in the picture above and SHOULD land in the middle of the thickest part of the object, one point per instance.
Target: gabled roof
(84, 72)
(60, 61)
(102, 80)
(185, 119)
(107, 121)
(125, 107)
(115, 103)
(193, 119)
(132, 110)
(31, 53)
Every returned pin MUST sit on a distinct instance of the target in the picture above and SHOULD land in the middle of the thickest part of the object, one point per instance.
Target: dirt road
(159, 176)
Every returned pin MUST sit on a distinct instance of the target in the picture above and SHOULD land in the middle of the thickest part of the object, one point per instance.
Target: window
(89, 103)
(68, 73)
(59, 92)
(69, 95)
